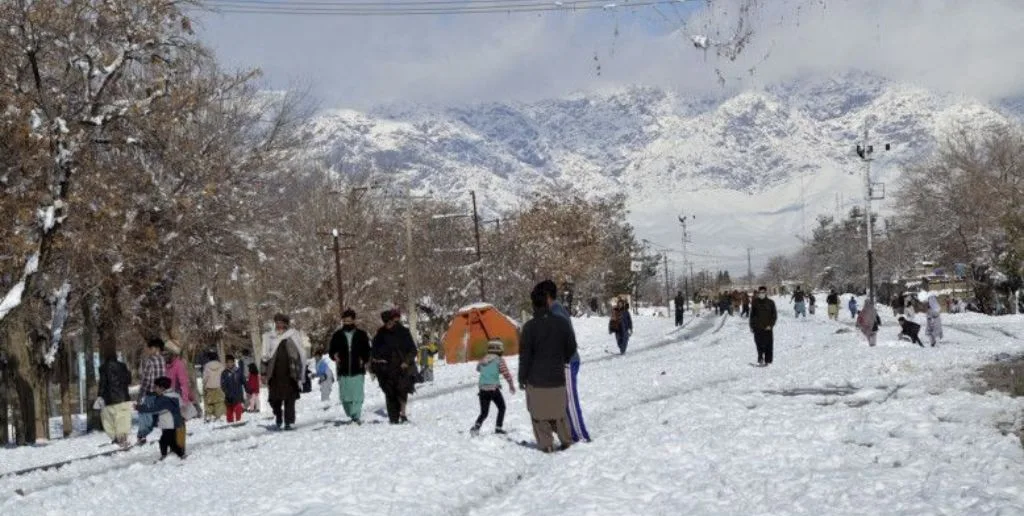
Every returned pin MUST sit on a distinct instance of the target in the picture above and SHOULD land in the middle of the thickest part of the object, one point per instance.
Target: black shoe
(500, 431)
(288, 428)
(403, 419)
(475, 431)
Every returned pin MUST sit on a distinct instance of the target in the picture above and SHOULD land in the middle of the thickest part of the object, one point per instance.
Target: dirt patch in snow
(1005, 374)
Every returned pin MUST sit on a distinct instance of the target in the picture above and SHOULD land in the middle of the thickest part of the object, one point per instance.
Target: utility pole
(410, 290)
(479, 253)
(667, 295)
(686, 259)
(865, 152)
(750, 269)
(337, 272)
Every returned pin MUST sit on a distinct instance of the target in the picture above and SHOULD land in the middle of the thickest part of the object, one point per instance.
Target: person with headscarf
(284, 365)
(177, 370)
(394, 364)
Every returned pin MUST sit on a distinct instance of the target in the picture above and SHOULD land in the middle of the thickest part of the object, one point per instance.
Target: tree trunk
(109, 323)
(24, 378)
(42, 390)
(252, 312)
(91, 389)
(64, 376)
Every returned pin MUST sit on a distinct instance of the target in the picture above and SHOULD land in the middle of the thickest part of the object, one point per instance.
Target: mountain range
(753, 168)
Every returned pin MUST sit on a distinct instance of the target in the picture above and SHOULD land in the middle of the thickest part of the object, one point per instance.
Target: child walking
(166, 404)
(252, 388)
(325, 372)
(492, 368)
(232, 382)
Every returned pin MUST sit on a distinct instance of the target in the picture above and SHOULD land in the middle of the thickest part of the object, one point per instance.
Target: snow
(13, 297)
(48, 217)
(680, 426)
(60, 317)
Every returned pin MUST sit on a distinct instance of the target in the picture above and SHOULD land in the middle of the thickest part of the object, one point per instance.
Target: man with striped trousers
(575, 413)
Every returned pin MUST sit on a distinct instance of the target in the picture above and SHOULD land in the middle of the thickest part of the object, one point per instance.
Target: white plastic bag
(99, 404)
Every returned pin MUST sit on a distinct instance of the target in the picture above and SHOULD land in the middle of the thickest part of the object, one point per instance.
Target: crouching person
(910, 330)
(546, 345)
(166, 405)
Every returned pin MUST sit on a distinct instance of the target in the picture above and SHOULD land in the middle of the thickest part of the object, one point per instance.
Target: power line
(384, 4)
(412, 9)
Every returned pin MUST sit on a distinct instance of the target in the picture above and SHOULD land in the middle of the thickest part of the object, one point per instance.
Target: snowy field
(682, 424)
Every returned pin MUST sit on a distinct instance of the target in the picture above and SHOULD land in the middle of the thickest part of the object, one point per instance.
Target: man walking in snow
(284, 364)
(546, 346)
(394, 362)
(833, 305)
(350, 350)
(680, 308)
(762, 321)
(799, 305)
(577, 427)
(853, 307)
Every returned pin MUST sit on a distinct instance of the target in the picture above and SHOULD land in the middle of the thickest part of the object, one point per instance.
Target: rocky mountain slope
(755, 168)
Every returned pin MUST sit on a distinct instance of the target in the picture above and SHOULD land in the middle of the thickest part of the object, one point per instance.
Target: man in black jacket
(833, 305)
(350, 350)
(116, 413)
(546, 345)
(394, 363)
(762, 320)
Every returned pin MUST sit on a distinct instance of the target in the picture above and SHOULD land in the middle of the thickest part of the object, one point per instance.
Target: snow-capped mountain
(742, 164)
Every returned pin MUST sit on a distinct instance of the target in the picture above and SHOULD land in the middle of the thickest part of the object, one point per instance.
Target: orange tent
(471, 329)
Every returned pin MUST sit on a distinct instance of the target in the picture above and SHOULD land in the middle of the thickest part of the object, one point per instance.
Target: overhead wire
(413, 8)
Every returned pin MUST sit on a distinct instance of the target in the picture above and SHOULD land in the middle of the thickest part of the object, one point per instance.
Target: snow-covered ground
(681, 424)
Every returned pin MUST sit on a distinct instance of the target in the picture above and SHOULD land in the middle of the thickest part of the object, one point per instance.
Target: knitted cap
(495, 346)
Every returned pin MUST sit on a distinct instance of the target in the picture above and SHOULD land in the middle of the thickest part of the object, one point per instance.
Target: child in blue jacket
(167, 406)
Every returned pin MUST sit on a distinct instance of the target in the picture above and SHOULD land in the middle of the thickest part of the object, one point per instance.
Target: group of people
(763, 317)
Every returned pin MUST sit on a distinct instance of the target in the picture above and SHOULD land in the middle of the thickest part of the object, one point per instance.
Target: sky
(970, 47)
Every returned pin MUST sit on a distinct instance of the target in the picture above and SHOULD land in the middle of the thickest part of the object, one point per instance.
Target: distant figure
(799, 303)
(833, 304)
(680, 307)
(621, 324)
(763, 317)
(853, 307)
(934, 319)
(810, 303)
(868, 321)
